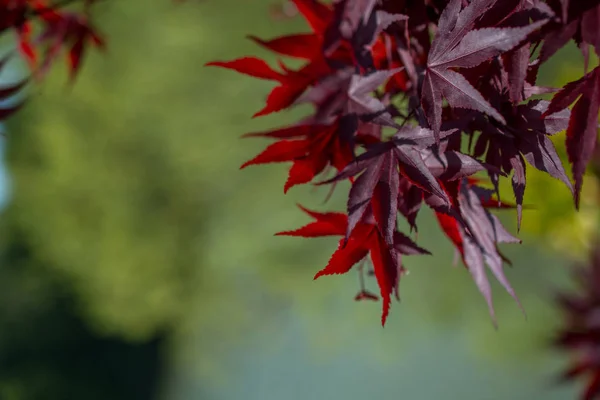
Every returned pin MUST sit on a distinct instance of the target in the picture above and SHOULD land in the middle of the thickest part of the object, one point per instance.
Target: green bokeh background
(140, 263)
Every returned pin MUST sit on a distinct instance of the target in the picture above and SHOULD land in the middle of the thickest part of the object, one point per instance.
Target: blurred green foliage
(126, 186)
(47, 351)
(116, 180)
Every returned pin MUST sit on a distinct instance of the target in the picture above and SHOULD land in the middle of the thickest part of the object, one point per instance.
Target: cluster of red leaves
(580, 334)
(454, 81)
(45, 29)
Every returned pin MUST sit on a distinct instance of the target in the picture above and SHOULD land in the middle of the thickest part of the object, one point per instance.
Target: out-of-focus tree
(46, 348)
(123, 196)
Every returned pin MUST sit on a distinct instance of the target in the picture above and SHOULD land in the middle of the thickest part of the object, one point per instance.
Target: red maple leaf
(73, 31)
(304, 46)
(364, 240)
(291, 83)
(14, 14)
(311, 148)
(309, 47)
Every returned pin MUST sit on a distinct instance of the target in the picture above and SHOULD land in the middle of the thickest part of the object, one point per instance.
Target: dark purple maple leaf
(348, 93)
(347, 17)
(524, 137)
(578, 20)
(410, 199)
(384, 164)
(361, 103)
(477, 237)
(582, 130)
(457, 45)
(589, 32)
(370, 27)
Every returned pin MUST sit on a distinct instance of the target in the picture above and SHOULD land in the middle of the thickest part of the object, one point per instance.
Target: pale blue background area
(433, 366)
(12, 72)
(4, 178)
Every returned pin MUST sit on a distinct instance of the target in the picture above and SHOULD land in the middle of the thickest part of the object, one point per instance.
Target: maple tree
(456, 83)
